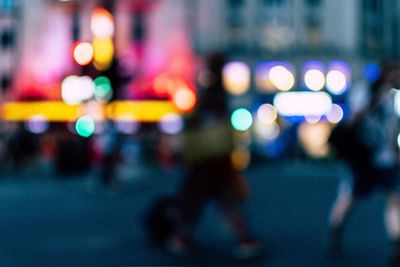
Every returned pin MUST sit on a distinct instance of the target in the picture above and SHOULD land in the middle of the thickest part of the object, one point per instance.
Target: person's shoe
(395, 258)
(177, 245)
(335, 245)
(248, 250)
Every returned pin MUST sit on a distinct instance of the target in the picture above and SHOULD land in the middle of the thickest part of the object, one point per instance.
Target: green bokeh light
(241, 119)
(85, 126)
(103, 88)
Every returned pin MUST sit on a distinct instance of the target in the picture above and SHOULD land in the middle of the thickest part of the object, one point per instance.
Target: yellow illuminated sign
(145, 111)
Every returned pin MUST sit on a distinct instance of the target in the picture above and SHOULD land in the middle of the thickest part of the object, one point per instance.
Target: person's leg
(392, 216)
(191, 199)
(392, 220)
(233, 212)
(339, 214)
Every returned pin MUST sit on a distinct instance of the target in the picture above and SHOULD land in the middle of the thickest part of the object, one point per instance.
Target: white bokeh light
(281, 78)
(236, 77)
(335, 115)
(336, 82)
(267, 113)
(171, 124)
(314, 79)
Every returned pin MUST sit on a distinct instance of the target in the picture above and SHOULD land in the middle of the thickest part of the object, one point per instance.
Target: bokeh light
(184, 99)
(75, 89)
(103, 91)
(241, 119)
(70, 90)
(314, 138)
(37, 124)
(267, 113)
(103, 53)
(85, 126)
(302, 103)
(281, 78)
(314, 79)
(398, 140)
(171, 124)
(241, 158)
(266, 131)
(102, 24)
(312, 119)
(87, 87)
(335, 115)
(236, 77)
(336, 82)
(397, 101)
(372, 72)
(127, 125)
(83, 53)
(262, 80)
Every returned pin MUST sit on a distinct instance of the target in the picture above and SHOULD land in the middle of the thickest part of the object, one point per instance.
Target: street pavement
(73, 221)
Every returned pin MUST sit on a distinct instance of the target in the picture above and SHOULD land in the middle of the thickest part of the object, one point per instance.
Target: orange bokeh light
(83, 53)
(184, 99)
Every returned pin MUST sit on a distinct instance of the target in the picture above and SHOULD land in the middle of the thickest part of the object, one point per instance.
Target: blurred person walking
(207, 148)
(368, 144)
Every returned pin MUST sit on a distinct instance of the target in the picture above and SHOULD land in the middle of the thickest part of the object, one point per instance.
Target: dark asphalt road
(53, 222)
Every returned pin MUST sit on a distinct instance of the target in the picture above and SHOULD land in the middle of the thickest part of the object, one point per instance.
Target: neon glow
(57, 111)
